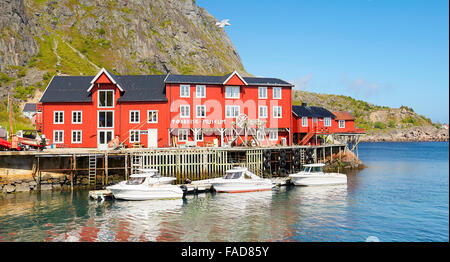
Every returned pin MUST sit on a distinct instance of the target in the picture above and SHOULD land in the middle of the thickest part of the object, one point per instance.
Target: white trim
(196, 111)
(306, 120)
(148, 119)
(197, 93)
(104, 130)
(81, 136)
(189, 91)
(273, 92)
(259, 112)
(81, 117)
(139, 117)
(231, 111)
(62, 137)
(325, 122)
(138, 136)
(187, 135)
(189, 111)
(231, 97)
(103, 70)
(275, 138)
(273, 111)
(98, 118)
(232, 74)
(343, 126)
(259, 93)
(98, 98)
(54, 118)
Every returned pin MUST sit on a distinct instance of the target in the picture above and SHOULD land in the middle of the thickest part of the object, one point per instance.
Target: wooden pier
(98, 168)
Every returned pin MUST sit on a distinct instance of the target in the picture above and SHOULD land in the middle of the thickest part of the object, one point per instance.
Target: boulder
(8, 188)
(22, 187)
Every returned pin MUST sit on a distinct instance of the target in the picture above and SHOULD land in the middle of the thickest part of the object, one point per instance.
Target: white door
(104, 136)
(153, 137)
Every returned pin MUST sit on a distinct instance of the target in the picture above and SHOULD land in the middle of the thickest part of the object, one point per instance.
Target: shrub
(379, 125)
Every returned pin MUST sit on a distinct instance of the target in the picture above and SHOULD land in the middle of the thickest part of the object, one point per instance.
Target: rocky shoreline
(411, 134)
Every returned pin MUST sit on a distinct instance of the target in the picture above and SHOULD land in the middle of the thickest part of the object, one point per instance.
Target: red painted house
(164, 110)
(310, 121)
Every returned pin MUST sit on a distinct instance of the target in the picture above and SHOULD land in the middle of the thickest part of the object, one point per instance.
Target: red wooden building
(165, 110)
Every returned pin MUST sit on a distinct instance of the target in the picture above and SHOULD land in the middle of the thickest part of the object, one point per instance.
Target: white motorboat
(313, 175)
(146, 185)
(240, 180)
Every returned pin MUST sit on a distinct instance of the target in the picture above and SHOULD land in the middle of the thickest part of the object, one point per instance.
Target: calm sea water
(403, 195)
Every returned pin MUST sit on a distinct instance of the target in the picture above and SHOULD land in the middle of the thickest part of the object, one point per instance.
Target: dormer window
(105, 98)
(232, 91)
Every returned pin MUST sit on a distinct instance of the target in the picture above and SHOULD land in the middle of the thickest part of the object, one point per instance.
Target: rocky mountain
(41, 38)
(381, 123)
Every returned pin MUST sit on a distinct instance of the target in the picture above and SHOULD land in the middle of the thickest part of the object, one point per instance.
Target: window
(76, 117)
(314, 120)
(106, 98)
(199, 136)
(260, 135)
(152, 116)
(232, 91)
(201, 111)
(305, 121)
(105, 119)
(327, 121)
(232, 111)
(200, 91)
(276, 92)
(76, 137)
(277, 112)
(134, 117)
(58, 136)
(58, 117)
(262, 92)
(134, 136)
(262, 111)
(183, 135)
(273, 135)
(341, 123)
(185, 90)
(185, 111)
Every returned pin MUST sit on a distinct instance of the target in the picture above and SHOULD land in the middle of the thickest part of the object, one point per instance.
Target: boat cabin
(313, 168)
(239, 173)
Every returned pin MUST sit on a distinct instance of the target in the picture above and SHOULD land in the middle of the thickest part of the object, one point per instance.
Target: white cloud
(302, 83)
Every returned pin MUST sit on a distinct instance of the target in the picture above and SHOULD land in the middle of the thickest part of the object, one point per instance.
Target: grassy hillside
(371, 117)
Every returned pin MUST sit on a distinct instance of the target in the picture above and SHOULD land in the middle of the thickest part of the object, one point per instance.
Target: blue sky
(388, 53)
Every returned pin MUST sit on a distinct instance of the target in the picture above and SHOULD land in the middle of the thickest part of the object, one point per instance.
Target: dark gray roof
(311, 111)
(29, 107)
(218, 80)
(136, 88)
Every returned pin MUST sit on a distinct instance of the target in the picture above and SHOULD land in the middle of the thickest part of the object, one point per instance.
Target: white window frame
(341, 123)
(197, 111)
(132, 136)
(107, 91)
(81, 137)
(98, 119)
(327, 121)
(232, 110)
(188, 111)
(260, 93)
(274, 92)
(275, 109)
(132, 119)
(232, 94)
(304, 121)
(56, 119)
(201, 94)
(260, 115)
(273, 137)
(260, 135)
(183, 91)
(181, 131)
(199, 132)
(62, 137)
(150, 120)
(76, 117)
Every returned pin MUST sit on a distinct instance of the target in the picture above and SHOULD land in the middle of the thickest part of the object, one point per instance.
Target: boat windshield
(312, 169)
(234, 175)
(135, 180)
